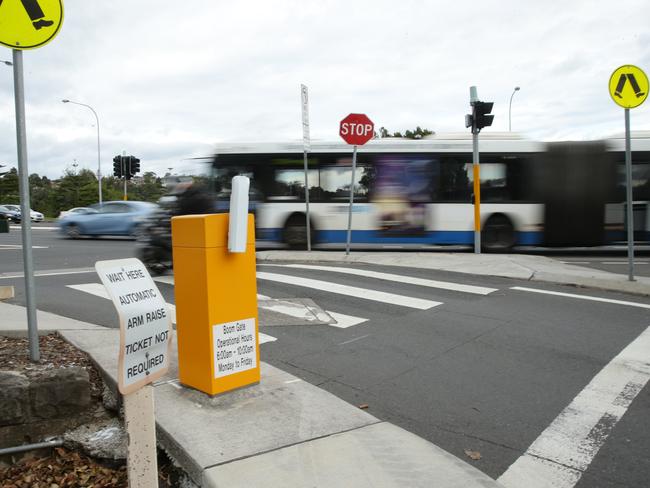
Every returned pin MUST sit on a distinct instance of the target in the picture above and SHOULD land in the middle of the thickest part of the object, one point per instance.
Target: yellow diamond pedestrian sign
(628, 86)
(28, 24)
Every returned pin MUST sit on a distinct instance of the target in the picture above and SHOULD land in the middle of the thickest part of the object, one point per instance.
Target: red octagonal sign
(357, 129)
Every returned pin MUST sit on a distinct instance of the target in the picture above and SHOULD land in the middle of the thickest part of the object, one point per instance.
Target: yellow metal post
(216, 305)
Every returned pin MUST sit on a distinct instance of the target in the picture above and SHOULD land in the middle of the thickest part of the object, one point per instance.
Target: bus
(420, 192)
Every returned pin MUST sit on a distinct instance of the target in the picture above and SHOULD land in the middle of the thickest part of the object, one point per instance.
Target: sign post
(628, 87)
(145, 351)
(27, 25)
(355, 129)
(306, 144)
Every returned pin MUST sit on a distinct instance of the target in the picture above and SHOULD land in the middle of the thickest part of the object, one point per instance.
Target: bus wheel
(294, 233)
(498, 234)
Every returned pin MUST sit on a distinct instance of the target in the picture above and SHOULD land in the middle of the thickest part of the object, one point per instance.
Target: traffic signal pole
(477, 193)
(479, 118)
(473, 98)
(125, 172)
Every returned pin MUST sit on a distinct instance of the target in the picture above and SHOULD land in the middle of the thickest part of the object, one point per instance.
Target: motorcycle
(154, 242)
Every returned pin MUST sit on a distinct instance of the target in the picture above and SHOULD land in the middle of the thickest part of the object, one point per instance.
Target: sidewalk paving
(282, 432)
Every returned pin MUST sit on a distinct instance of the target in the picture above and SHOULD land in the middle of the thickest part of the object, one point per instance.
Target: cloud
(168, 81)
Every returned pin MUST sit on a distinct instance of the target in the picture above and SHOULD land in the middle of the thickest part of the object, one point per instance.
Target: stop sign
(356, 129)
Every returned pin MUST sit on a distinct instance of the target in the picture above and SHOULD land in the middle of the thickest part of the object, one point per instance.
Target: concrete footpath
(285, 432)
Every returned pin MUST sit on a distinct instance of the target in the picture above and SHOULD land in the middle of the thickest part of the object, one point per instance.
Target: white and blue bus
(420, 192)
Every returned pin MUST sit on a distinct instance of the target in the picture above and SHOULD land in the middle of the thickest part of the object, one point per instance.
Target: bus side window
(335, 182)
(454, 184)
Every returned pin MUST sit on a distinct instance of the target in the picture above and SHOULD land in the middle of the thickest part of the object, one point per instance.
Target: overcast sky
(170, 79)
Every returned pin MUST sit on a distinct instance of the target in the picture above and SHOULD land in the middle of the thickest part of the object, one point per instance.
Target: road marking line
(563, 452)
(342, 321)
(575, 262)
(622, 262)
(98, 290)
(354, 340)
(164, 279)
(353, 291)
(582, 297)
(34, 227)
(264, 338)
(478, 290)
(7, 276)
(288, 382)
(13, 247)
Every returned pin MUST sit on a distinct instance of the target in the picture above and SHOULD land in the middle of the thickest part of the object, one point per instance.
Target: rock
(59, 393)
(14, 398)
(105, 440)
(109, 399)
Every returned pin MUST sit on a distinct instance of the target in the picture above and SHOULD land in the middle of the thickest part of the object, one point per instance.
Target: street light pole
(99, 158)
(510, 109)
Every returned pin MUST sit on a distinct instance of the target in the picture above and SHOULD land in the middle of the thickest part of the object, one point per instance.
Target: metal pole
(510, 109)
(307, 204)
(354, 167)
(99, 157)
(477, 193)
(25, 206)
(306, 144)
(124, 170)
(99, 160)
(629, 198)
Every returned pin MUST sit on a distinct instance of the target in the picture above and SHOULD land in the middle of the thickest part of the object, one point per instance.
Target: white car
(33, 214)
(75, 211)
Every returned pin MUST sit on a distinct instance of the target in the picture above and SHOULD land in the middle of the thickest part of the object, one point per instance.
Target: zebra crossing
(308, 313)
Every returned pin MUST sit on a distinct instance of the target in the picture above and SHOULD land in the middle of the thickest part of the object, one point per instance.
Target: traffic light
(132, 166)
(135, 165)
(480, 116)
(117, 166)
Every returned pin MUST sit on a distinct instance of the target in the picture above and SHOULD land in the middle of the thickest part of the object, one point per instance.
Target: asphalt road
(491, 373)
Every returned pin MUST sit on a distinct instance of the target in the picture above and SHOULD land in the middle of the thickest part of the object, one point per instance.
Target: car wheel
(498, 234)
(72, 231)
(294, 233)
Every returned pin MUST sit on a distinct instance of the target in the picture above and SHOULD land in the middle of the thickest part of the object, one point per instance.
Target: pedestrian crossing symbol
(628, 86)
(28, 24)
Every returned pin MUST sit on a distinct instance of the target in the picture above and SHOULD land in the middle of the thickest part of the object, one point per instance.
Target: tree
(418, 133)
(150, 189)
(9, 190)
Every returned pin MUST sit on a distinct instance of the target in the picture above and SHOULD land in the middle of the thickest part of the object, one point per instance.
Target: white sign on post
(145, 324)
(304, 95)
(145, 350)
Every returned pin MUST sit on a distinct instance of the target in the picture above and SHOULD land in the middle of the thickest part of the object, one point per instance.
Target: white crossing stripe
(342, 321)
(445, 285)
(353, 291)
(98, 290)
(266, 338)
(4, 247)
(562, 453)
(7, 276)
(34, 227)
(581, 297)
